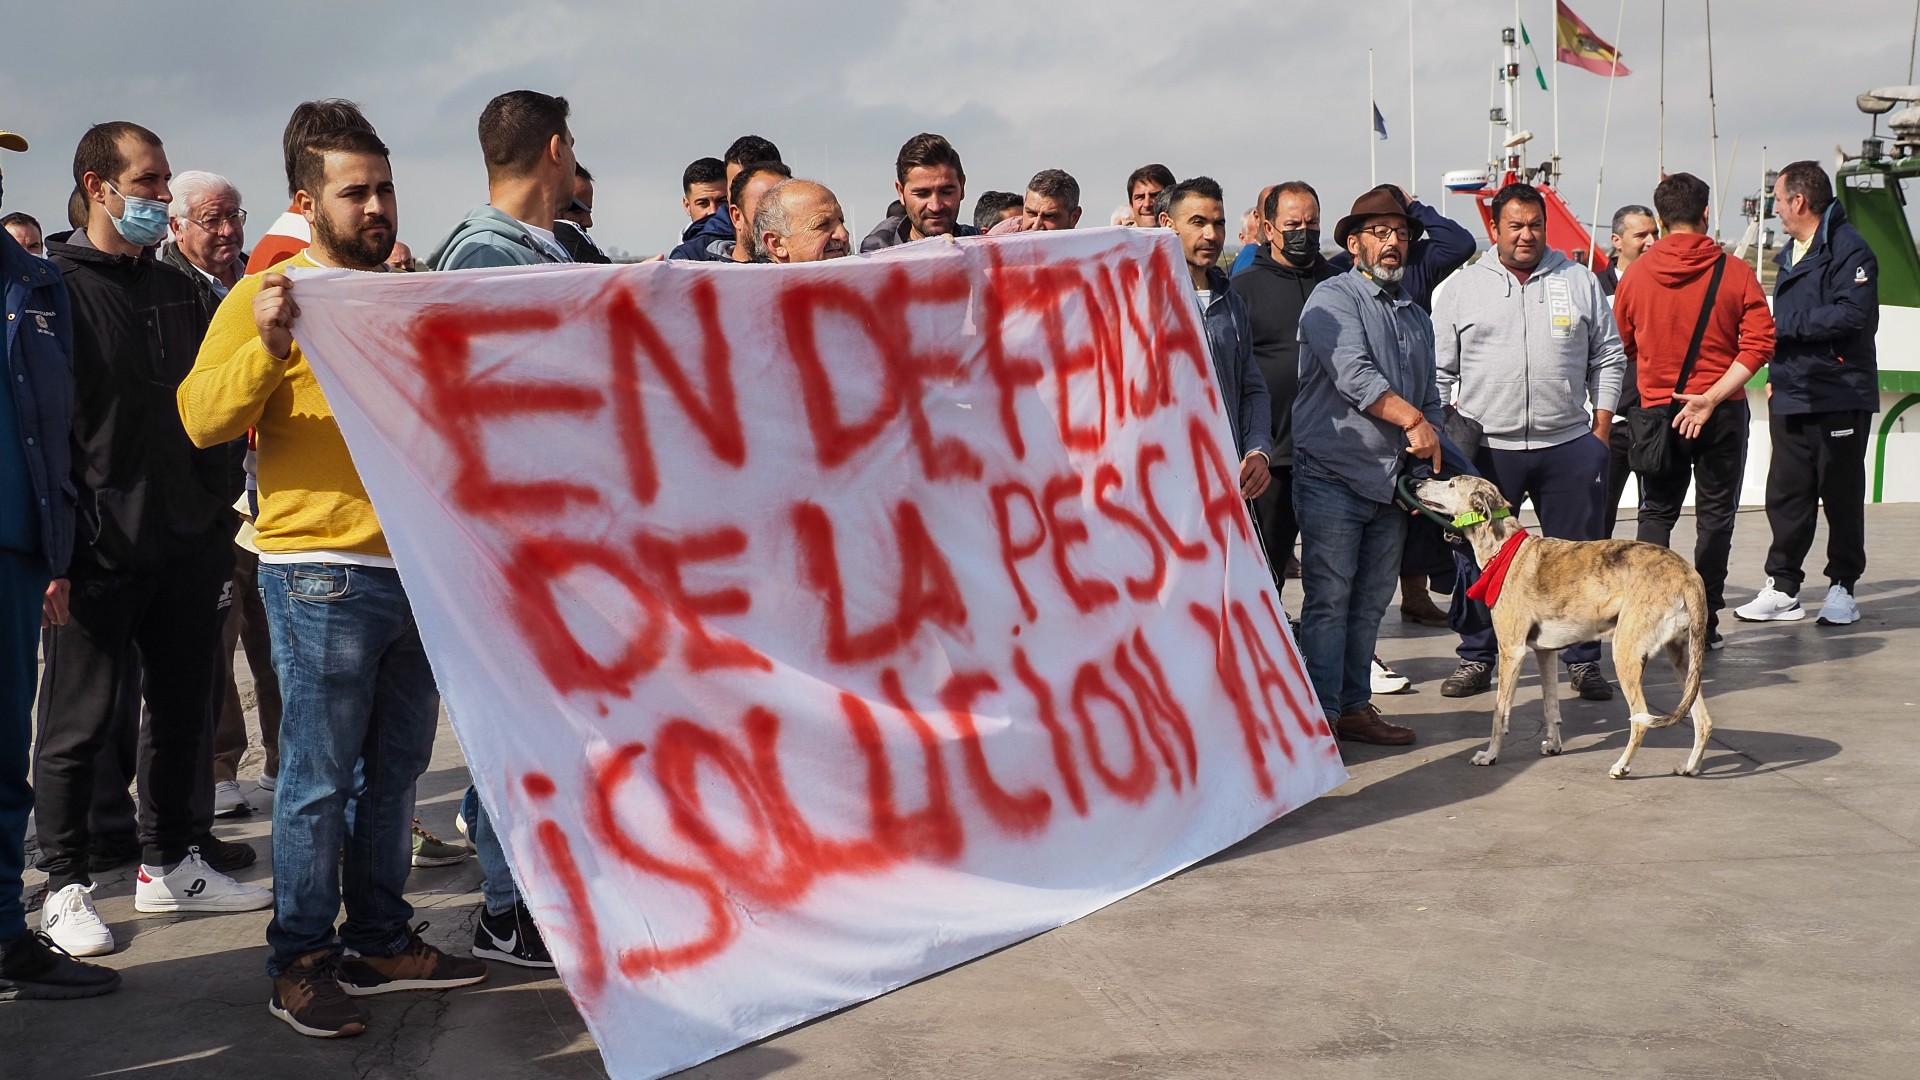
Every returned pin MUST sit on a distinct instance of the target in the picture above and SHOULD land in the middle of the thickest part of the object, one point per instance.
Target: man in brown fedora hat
(1367, 400)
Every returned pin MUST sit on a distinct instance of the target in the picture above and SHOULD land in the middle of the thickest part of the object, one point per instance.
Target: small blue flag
(1379, 123)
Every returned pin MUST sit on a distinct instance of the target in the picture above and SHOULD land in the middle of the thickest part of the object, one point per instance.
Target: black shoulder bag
(1654, 445)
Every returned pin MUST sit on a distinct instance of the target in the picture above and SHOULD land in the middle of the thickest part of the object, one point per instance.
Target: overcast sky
(1248, 91)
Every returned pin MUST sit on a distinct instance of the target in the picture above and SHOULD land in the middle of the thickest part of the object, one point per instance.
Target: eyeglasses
(1387, 232)
(579, 207)
(212, 222)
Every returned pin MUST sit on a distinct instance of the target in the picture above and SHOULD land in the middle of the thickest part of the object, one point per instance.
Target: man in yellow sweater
(357, 691)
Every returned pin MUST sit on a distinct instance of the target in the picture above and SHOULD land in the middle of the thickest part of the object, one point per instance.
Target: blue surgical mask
(143, 222)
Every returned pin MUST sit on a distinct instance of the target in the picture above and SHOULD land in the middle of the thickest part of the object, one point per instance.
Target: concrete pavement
(1430, 919)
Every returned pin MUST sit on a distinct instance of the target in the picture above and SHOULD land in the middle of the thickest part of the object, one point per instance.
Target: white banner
(812, 629)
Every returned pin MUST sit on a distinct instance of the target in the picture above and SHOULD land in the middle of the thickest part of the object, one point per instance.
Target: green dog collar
(1475, 518)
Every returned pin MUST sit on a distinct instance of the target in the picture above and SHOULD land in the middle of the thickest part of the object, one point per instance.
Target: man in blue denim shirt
(1367, 400)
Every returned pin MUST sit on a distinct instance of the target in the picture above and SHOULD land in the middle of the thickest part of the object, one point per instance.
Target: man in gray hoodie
(1527, 346)
(530, 169)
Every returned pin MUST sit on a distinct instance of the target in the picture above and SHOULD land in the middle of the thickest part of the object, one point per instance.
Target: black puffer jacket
(146, 494)
(1275, 292)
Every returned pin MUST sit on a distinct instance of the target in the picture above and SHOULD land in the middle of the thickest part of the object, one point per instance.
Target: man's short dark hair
(319, 128)
(1517, 192)
(580, 173)
(706, 170)
(748, 149)
(517, 127)
(1156, 172)
(1682, 199)
(99, 150)
(1271, 208)
(1055, 184)
(989, 208)
(1204, 187)
(927, 151)
(1621, 215)
(753, 169)
(77, 208)
(20, 218)
(309, 119)
(1808, 179)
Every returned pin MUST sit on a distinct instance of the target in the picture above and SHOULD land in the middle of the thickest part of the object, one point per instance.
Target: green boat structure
(1871, 189)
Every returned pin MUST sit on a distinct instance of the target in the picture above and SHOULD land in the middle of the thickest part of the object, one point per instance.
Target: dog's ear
(1485, 499)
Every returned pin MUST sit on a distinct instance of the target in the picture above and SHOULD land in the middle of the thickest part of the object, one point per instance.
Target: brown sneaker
(1365, 725)
(419, 966)
(309, 998)
(1416, 603)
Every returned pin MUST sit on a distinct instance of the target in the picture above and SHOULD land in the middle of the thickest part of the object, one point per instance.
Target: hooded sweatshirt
(489, 237)
(1658, 304)
(1527, 356)
(710, 239)
(1275, 293)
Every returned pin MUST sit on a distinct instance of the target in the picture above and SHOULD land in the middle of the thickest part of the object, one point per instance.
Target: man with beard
(1367, 400)
(1197, 214)
(530, 172)
(931, 184)
(151, 570)
(749, 185)
(800, 221)
(360, 702)
(570, 228)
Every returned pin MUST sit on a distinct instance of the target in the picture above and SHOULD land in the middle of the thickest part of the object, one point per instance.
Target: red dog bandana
(1493, 576)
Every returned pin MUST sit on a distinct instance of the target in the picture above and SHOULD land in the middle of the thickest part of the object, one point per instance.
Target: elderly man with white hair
(206, 234)
(799, 221)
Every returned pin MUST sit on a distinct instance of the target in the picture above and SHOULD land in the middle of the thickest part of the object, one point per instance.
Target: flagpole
(1713, 121)
(1373, 169)
(1555, 179)
(1413, 130)
(1605, 126)
(1663, 88)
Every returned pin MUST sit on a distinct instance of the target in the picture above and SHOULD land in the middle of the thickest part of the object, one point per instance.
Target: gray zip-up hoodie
(1527, 359)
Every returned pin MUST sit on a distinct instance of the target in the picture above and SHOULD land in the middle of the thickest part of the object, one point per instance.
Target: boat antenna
(1663, 89)
(1915, 42)
(1606, 125)
(1373, 169)
(1713, 120)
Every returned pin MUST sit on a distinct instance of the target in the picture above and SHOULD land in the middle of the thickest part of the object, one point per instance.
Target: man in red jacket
(1657, 307)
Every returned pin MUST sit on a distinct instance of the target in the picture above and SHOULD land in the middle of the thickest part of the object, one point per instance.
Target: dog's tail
(1696, 600)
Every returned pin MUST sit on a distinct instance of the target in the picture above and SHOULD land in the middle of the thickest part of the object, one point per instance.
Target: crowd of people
(173, 489)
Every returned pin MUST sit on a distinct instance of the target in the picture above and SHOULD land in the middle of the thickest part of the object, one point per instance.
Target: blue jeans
(358, 713)
(496, 880)
(1349, 565)
(23, 583)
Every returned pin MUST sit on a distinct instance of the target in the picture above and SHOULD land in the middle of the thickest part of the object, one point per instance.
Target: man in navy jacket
(1826, 309)
(36, 540)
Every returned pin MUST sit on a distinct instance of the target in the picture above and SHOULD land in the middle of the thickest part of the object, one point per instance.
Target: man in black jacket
(1826, 388)
(1276, 286)
(151, 565)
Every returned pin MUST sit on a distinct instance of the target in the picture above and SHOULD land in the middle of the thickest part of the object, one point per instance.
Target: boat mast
(1413, 131)
(1510, 74)
(1713, 120)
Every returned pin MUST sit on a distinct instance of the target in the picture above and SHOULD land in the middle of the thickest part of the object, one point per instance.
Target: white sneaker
(195, 886)
(1839, 610)
(1385, 680)
(266, 782)
(227, 800)
(1771, 605)
(69, 919)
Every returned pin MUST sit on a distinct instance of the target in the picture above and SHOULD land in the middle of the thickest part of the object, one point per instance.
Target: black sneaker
(33, 968)
(511, 938)
(223, 856)
(1470, 678)
(1715, 642)
(106, 853)
(1592, 685)
(309, 998)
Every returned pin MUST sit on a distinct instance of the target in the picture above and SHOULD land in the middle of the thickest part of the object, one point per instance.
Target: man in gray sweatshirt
(1527, 348)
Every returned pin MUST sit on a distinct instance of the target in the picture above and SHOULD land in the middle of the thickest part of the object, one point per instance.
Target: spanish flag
(1582, 48)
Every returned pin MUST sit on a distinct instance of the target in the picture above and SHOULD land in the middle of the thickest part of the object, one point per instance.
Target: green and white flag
(1527, 40)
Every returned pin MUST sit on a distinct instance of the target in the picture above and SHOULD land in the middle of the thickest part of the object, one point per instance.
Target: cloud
(1246, 91)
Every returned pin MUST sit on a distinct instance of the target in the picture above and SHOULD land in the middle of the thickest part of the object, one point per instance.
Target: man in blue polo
(1367, 402)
